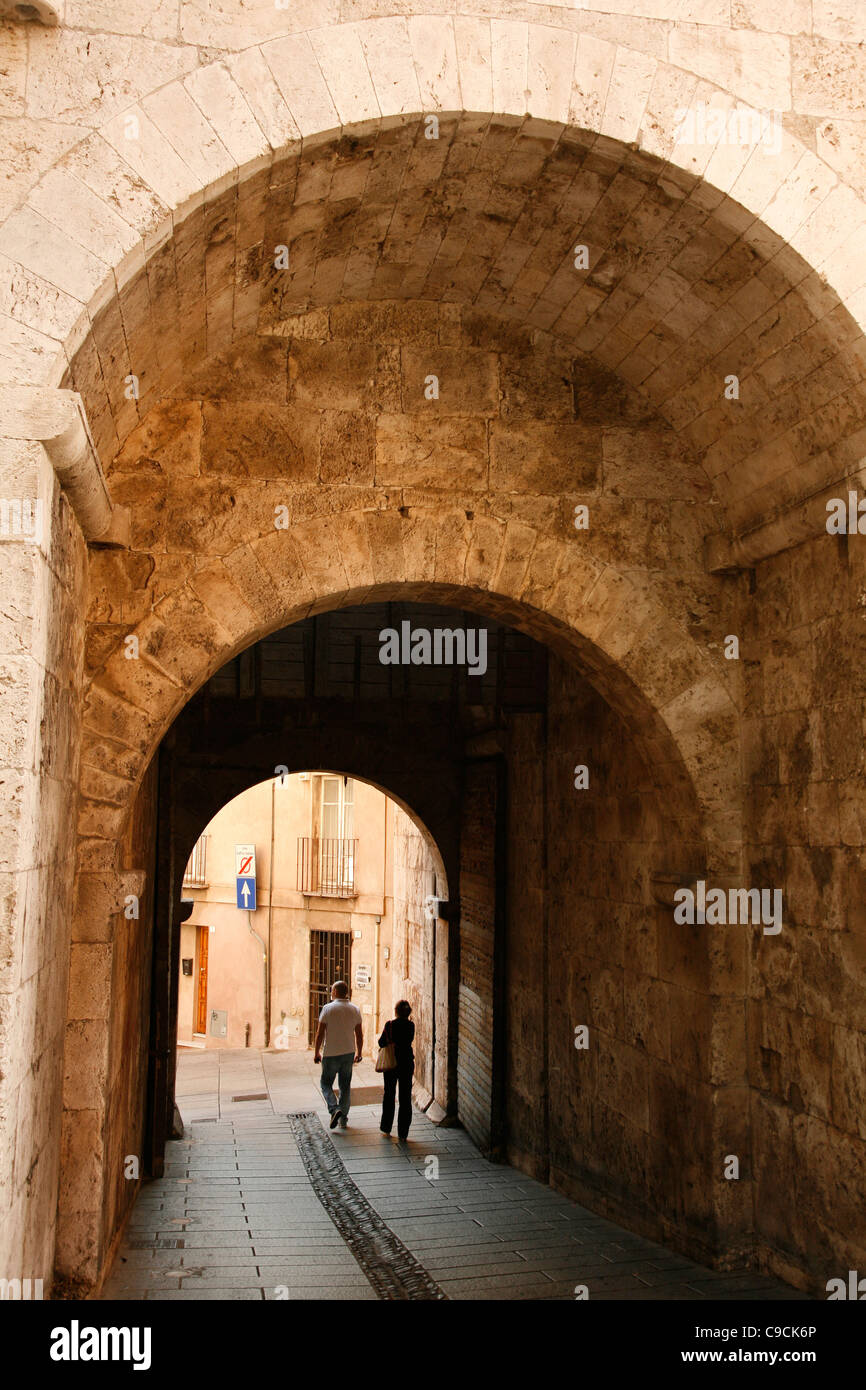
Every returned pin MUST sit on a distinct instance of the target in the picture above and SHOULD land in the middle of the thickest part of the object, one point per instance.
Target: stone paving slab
(237, 1198)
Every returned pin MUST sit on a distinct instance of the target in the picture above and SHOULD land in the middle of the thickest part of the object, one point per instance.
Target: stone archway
(751, 256)
(263, 585)
(214, 615)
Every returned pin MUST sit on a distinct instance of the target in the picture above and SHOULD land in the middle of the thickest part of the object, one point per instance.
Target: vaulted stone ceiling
(683, 288)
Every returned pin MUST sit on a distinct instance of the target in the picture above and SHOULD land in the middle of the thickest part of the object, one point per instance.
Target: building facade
(323, 856)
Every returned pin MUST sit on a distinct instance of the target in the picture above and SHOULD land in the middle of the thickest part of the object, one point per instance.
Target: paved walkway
(239, 1215)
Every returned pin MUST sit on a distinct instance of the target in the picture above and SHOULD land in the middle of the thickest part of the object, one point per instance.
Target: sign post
(245, 877)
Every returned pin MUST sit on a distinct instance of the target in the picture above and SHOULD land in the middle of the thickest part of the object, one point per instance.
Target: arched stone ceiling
(683, 287)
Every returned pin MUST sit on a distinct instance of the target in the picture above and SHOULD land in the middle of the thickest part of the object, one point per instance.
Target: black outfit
(400, 1032)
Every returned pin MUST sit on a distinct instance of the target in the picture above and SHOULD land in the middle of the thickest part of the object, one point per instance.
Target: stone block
(831, 1215)
(791, 1057)
(473, 41)
(577, 575)
(848, 1081)
(259, 440)
(751, 65)
(385, 532)
(630, 85)
(85, 1066)
(50, 253)
(218, 96)
(646, 1016)
(332, 374)
(13, 894)
(537, 388)
(82, 1153)
(9, 1096)
(299, 78)
(19, 826)
(93, 222)
(267, 103)
(420, 450)
(828, 78)
(222, 599)
(99, 897)
(89, 981)
(347, 448)
(21, 699)
(394, 322)
(153, 159)
(467, 381)
(434, 51)
(546, 457)
(18, 1036)
(419, 535)
(388, 52)
(80, 77)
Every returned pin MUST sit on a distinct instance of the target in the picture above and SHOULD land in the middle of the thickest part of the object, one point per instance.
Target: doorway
(330, 960)
(201, 950)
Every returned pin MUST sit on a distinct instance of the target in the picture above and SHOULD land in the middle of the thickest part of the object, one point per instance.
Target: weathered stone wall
(106, 1049)
(633, 1114)
(41, 654)
(329, 422)
(129, 1034)
(333, 416)
(630, 1122)
(804, 656)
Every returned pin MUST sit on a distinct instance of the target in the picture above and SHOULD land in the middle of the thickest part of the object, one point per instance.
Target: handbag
(387, 1058)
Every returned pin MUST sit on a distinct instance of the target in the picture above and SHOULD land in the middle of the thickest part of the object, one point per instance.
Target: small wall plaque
(219, 1023)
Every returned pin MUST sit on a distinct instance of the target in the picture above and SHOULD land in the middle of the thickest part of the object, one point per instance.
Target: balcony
(326, 868)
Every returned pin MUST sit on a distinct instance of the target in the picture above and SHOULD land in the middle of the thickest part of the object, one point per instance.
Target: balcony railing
(195, 873)
(326, 868)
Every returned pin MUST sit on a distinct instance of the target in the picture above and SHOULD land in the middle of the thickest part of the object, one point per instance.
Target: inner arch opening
(300, 880)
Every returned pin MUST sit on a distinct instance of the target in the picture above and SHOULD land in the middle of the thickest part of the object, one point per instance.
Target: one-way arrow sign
(246, 893)
(245, 877)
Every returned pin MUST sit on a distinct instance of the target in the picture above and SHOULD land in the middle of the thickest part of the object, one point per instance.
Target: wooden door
(203, 934)
(480, 1069)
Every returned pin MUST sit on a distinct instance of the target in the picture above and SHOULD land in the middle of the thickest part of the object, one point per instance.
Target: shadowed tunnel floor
(236, 1215)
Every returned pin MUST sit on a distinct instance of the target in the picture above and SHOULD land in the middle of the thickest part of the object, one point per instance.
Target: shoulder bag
(387, 1059)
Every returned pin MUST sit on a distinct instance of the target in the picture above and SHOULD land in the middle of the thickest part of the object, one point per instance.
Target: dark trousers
(402, 1077)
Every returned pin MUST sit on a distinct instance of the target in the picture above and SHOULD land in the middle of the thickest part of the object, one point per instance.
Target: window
(195, 873)
(337, 808)
(326, 859)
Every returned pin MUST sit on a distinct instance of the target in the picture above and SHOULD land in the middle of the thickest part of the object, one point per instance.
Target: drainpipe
(379, 919)
(270, 925)
(254, 933)
(376, 981)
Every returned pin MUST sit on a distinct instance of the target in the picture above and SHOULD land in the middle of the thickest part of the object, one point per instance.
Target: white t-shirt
(342, 1019)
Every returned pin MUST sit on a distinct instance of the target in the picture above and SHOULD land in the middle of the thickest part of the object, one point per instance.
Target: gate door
(330, 960)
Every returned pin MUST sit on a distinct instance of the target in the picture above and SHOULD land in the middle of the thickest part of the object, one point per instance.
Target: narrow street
(260, 1203)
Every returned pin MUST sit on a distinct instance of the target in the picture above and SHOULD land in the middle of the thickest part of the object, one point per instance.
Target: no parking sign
(245, 877)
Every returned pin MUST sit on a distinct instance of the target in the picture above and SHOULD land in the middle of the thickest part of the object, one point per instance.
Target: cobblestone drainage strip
(391, 1269)
(156, 1244)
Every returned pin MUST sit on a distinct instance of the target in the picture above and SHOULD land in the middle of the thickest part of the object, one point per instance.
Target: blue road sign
(246, 891)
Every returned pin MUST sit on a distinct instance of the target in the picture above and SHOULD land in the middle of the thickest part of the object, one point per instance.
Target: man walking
(341, 1031)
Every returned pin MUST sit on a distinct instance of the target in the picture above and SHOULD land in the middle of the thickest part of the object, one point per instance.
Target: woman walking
(400, 1032)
